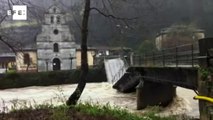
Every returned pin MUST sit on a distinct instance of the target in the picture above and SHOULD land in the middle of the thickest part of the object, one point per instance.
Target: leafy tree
(147, 46)
(179, 35)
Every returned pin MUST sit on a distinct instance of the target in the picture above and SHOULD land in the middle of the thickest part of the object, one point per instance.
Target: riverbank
(86, 111)
(101, 93)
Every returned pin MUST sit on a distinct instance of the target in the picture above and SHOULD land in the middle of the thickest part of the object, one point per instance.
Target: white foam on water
(101, 93)
(114, 69)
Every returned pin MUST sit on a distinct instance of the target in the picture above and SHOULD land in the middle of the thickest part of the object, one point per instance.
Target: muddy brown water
(101, 93)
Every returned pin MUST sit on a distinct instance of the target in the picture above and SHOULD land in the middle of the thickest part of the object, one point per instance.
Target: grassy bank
(86, 111)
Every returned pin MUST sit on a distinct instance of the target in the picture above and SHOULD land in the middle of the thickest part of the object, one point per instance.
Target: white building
(56, 48)
(163, 39)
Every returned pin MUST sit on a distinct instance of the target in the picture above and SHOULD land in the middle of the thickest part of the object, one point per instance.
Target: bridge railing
(179, 56)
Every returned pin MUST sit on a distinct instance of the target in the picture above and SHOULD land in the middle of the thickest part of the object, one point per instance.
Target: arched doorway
(56, 64)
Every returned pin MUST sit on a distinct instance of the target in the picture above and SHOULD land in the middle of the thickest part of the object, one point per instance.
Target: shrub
(17, 80)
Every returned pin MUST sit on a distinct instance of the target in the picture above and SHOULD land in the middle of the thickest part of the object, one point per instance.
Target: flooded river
(101, 93)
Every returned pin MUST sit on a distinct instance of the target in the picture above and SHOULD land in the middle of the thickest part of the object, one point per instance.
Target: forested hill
(149, 17)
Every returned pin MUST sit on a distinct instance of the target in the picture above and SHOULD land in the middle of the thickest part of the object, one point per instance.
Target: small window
(58, 19)
(55, 31)
(52, 19)
(55, 47)
(26, 58)
(54, 10)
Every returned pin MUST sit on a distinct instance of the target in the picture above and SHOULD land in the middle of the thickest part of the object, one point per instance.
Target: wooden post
(145, 60)
(203, 88)
(163, 58)
(139, 60)
(192, 53)
(139, 95)
(176, 56)
(6, 67)
(131, 58)
(153, 58)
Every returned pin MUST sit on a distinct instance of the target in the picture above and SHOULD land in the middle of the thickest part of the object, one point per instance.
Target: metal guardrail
(179, 56)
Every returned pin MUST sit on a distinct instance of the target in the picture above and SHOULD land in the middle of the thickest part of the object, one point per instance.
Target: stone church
(56, 49)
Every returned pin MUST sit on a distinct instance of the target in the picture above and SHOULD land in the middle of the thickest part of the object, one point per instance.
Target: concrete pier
(151, 93)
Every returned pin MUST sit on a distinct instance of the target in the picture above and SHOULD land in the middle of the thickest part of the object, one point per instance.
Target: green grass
(62, 112)
(123, 114)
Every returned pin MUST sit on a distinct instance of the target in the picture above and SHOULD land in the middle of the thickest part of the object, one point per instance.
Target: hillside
(151, 16)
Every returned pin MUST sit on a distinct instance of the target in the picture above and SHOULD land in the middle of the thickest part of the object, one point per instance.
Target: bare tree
(7, 32)
(84, 64)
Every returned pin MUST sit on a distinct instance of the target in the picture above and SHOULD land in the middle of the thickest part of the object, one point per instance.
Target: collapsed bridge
(156, 74)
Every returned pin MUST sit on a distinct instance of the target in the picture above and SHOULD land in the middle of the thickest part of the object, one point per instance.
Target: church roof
(55, 9)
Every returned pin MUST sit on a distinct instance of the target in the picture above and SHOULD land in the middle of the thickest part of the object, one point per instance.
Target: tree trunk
(28, 65)
(6, 67)
(73, 99)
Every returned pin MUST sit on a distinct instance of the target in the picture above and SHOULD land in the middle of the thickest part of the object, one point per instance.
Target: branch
(111, 16)
(10, 46)
(3, 18)
(34, 11)
(75, 20)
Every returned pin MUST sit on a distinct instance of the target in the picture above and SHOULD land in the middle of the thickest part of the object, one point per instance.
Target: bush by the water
(17, 80)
